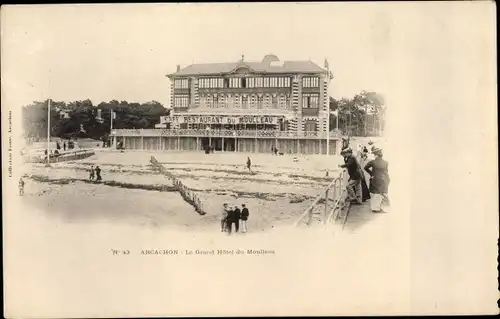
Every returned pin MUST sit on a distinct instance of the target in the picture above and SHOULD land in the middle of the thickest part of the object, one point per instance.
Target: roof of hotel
(260, 67)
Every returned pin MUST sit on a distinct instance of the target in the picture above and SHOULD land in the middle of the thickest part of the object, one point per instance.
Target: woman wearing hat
(379, 181)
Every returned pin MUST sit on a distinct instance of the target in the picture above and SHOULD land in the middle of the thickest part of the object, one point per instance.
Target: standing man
(223, 218)
(237, 217)
(91, 173)
(244, 217)
(249, 164)
(21, 187)
(354, 185)
(64, 146)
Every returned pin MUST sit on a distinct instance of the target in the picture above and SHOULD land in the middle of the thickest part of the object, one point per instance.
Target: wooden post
(223, 144)
(142, 142)
(236, 144)
(197, 143)
(309, 216)
(298, 146)
(159, 144)
(178, 142)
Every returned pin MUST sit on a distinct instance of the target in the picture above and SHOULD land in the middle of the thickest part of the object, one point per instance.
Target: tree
(67, 119)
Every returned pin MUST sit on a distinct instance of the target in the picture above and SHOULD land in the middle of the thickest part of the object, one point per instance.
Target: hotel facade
(243, 107)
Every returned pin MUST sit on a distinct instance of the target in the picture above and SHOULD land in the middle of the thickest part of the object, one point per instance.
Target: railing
(224, 133)
(337, 188)
(187, 194)
(335, 191)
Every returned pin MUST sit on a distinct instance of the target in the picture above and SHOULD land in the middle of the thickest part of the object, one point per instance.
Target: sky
(123, 51)
(104, 52)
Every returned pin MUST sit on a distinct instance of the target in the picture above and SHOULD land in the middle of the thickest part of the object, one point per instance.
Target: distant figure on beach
(64, 146)
(91, 173)
(223, 218)
(58, 146)
(249, 164)
(272, 150)
(244, 217)
(379, 181)
(98, 174)
(275, 151)
(21, 187)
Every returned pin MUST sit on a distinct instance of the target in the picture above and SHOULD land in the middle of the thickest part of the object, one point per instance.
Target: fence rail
(224, 133)
(187, 194)
(62, 157)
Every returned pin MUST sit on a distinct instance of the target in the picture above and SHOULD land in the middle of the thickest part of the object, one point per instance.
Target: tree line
(361, 115)
(80, 119)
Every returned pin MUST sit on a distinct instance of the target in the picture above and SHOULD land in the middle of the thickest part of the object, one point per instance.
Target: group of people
(377, 168)
(233, 217)
(275, 151)
(95, 173)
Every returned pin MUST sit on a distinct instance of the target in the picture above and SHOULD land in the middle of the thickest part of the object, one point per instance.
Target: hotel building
(243, 106)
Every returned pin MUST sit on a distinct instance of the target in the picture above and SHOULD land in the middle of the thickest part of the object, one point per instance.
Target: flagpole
(48, 133)
(111, 128)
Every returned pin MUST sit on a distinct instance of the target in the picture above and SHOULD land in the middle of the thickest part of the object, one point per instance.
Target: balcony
(224, 133)
(310, 112)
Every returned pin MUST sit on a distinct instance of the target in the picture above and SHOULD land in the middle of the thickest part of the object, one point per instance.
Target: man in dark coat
(244, 217)
(354, 170)
(232, 218)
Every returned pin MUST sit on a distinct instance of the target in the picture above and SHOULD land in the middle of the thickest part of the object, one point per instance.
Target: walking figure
(64, 146)
(249, 164)
(98, 173)
(21, 187)
(91, 173)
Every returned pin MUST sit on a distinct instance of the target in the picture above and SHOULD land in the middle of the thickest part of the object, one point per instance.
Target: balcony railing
(224, 133)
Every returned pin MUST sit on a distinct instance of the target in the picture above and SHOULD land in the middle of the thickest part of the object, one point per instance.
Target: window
(310, 82)
(260, 101)
(258, 82)
(310, 126)
(244, 102)
(181, 83)
(275, 102)
(211, 83)
(243, 82)
(266, 82)
(251, 82)
(181, 100)
(310, 101)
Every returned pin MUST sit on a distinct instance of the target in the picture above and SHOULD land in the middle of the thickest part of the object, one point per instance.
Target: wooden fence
(187, 194)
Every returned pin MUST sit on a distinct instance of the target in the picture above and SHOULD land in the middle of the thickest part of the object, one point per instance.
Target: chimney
(178, 68)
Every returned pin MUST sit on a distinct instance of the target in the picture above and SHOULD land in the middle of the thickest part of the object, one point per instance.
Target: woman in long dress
(378, 169)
